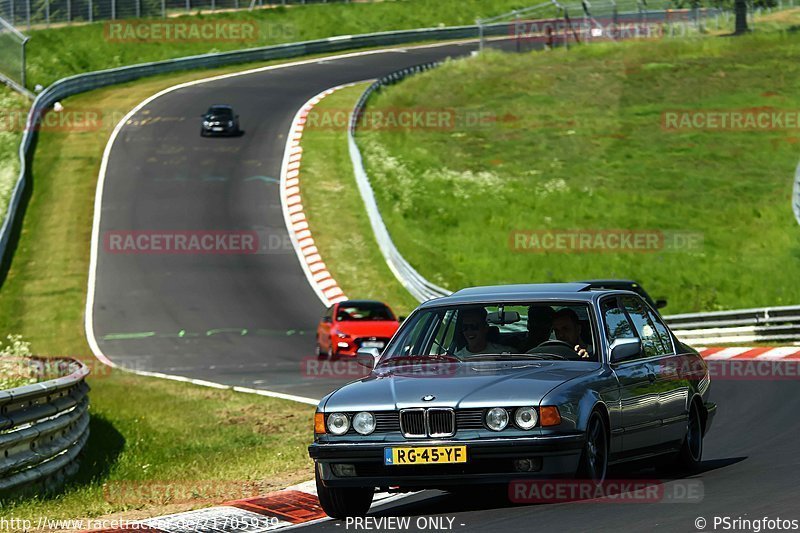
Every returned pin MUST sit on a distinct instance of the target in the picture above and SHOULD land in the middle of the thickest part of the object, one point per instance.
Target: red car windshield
(363, 312)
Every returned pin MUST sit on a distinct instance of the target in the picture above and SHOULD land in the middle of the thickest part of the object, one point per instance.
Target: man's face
(474, 329)
(566, 330)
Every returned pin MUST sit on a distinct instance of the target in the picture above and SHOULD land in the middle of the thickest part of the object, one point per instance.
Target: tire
(341, 503)
(691, 453)
(319, 353)
(593, 464)
(688, 458)
(331, 354)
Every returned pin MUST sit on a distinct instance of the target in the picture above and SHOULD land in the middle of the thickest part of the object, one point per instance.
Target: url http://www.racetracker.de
(745, 523)
(45, 523)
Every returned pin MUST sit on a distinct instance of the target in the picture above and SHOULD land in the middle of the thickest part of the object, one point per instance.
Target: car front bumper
(489, 461)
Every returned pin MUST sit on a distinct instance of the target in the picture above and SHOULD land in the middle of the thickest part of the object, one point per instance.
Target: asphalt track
(242, 320)
(248, 320)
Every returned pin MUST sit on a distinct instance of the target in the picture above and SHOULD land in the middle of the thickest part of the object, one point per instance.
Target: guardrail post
(163, 9)
(91, 15)
(28, 13)
(13, 14)
(69, 11)
(113, 9)
(47, 12)
(23, 74)
(138, 8)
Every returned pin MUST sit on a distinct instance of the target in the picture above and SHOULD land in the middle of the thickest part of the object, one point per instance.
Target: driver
(567, 328)
(540, 323)
(476, 332)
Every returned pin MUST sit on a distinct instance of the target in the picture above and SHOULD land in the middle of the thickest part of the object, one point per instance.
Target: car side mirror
(327, 320)
(368, 357)
(660, 304)
(625, 349)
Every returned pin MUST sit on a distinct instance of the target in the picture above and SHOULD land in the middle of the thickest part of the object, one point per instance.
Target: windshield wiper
(437, 358)
(536, 356)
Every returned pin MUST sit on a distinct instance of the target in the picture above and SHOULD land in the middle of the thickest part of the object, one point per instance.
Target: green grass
(12, 107)
(336, 214)
(158, 447)
(58, 52)
(582, 147)
(143, 429)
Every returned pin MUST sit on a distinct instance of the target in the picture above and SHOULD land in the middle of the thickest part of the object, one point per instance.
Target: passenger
(567, 327)
(476, 332)
(540, 324)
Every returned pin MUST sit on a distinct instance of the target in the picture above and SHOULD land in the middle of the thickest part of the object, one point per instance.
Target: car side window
(616, 321)
(662, 333)
(414, 336)
(651, 343)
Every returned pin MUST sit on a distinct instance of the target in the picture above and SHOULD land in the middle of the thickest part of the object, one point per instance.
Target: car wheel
(594, 459)
(343, 502)
(331, 354)
(691, 452)
(692, 449)
(318, 351)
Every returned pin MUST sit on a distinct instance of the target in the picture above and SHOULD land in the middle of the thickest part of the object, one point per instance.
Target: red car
(353, 324)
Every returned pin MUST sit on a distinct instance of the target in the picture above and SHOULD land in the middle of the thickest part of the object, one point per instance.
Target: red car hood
(368, 328)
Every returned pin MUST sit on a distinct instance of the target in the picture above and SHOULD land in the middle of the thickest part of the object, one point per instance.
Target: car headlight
(497, 418)
(338, 423)
(230, 123)
(525, 417)
(364, 423)
(206, 123)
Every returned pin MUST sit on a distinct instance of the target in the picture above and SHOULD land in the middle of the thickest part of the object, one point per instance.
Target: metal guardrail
(418, 286)
(769, 324)
(43, 428)
(93, 80)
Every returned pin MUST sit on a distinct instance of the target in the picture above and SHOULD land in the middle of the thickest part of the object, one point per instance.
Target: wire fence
(12, 55)
(30, 13)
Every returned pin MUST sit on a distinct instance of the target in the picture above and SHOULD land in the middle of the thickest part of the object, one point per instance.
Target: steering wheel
(555, 348)
(556, 343)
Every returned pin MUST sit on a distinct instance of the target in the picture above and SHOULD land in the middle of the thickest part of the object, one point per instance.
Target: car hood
(457, 385)
(370, 328)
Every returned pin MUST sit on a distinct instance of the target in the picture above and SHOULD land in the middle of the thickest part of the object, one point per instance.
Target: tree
(740, 8)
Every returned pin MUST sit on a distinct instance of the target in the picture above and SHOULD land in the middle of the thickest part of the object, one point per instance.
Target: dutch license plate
(216, 129)
(422, 455)
(372, 344)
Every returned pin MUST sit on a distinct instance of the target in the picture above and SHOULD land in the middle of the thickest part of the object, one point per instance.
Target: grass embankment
(574, 141)
(58, 52)
(12, 105)
(154, 443)
(336, 214)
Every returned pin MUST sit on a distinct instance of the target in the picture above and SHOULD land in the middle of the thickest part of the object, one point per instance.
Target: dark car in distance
(220, 120)
(495, 384)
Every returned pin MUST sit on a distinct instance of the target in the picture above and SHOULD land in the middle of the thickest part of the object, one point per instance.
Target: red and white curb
(315, 269)
(763, 353)
(277, 510)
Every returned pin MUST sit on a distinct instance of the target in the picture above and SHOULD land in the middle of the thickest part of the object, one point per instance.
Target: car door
(660, 353)
(324, 329)
(673, 376)
(639, 403)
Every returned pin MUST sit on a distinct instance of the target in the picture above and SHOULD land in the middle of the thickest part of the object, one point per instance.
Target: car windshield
(544, 330)
(363, 311)
(220, 112)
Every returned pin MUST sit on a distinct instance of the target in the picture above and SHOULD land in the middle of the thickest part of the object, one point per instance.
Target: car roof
(522, 292)
(220, 107)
